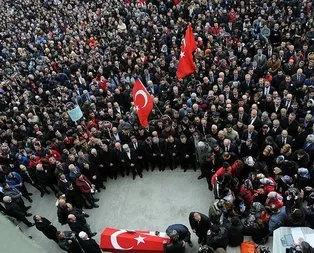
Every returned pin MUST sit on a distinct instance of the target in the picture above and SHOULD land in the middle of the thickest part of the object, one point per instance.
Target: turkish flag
(143, 102)
(135, 241)
(186, 65)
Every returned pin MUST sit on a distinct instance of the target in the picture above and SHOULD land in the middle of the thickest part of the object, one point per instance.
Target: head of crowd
(244, 118)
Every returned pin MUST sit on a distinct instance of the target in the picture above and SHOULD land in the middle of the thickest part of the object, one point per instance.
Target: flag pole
(158, 109)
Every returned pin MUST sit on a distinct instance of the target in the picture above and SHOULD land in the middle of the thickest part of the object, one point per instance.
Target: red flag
(186, 65)
(143, 102)
(117, 240)
(176, 2)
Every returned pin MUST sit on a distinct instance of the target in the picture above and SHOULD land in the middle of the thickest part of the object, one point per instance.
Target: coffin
(133, 241)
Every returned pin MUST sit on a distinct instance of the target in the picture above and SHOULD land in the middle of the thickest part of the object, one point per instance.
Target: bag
(248, 247)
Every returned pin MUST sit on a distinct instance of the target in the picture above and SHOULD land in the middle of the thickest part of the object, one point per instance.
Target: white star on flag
(140, 239)
(182, 54)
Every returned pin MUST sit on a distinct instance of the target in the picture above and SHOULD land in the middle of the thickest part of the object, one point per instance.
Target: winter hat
(286, 179)
(280, 159)
(304, 172)
(274, 195)
(266, 181)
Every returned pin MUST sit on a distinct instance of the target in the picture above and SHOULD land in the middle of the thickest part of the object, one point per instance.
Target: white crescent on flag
(114, 240)
(141, 92)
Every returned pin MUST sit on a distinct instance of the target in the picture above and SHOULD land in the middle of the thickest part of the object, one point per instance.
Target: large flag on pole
(186, 65)
(143, 102)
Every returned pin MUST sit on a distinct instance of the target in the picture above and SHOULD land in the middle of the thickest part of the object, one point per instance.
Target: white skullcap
(82, 235)
(201, 144)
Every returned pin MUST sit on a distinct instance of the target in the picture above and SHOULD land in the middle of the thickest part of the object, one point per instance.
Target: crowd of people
(244, 118)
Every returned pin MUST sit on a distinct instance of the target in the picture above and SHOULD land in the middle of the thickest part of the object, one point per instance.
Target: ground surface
(151, 203)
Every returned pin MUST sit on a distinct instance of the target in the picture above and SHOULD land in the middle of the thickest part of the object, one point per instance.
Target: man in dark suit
(200, 225)
(298, 78)
(250, 133)
(229, 147)
(89, 245)
(186, 153)
(159, 152)
(283, 139)
(14, 210)
(130, 161)
(255, 120)
(118, 159)
(148, 154)
(292, 125)
(276, 129)
(249, 148)
(138, 147)
(300, 139)
(77, 225)
(267, 89)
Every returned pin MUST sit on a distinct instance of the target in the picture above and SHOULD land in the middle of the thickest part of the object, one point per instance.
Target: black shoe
(86, 215)
(199, 241)
(48, 192)
(88, 207)
(194, 169)
(122, 175)
(134, 177)
(28, 214)
(190, 244)
(200, 177)
(141, 175)
(115, 177)
(30, 194)
(30, 200)
(28, 207)
(42, 194)
(31, 225)
(184, 170)
(95, 205)
(104, 187)
(93, 234)
(96, 200)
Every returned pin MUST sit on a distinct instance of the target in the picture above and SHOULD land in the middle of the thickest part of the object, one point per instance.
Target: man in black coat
(68, 242)
(77, 225)
(217, 237)
(15, 211)
(130, 161)
(159, 152)
(138, 147)
(186, 151)
(45, 226)
(89, 245)
(200, 224)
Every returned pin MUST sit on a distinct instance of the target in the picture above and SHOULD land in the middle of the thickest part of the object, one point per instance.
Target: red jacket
(84, 185)
(247, 195)
(53, 153)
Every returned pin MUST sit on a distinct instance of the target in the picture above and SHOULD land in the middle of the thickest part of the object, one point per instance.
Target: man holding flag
(186, 65)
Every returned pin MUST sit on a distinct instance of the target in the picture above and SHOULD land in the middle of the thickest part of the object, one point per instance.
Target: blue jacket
(277, 219)
(15, 181)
